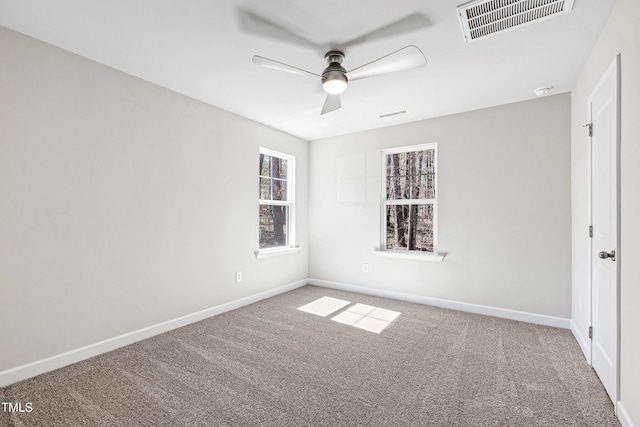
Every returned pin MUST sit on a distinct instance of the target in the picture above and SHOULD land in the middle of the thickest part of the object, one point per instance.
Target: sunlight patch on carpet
(367, 317)
(324, 306)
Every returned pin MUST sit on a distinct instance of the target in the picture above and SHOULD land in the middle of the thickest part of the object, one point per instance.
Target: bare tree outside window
(275, 203)
(410, 187)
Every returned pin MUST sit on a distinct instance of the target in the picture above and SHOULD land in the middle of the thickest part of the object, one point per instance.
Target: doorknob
(605, 255)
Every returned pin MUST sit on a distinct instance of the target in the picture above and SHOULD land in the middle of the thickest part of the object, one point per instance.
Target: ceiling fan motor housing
(334, 73)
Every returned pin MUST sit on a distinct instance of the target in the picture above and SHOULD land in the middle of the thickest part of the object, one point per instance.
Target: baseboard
(623, 416)
(33, 369)
(582, 342)
(522, 316)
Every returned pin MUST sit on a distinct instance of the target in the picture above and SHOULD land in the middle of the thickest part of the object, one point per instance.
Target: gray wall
(620, 35)
(123, 204)
(504, 208)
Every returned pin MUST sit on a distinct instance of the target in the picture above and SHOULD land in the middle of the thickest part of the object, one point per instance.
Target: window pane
(425, 173)
(265, 189)
(398, 164)
(404, 163)
(279, 189)
(279, 168)
(265, 165)
(392, 165)
(423, 187)
(274, 228)
(410, 227)
(398, 188)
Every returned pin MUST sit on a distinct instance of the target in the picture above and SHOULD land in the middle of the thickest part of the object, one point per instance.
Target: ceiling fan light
(334, 86)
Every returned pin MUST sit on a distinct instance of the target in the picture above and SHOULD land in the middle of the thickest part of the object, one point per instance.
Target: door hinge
(590, 331)
(591, 231)
(589, 127)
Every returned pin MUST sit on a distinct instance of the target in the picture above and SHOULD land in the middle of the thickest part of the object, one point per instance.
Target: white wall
(620, 35)
(122, 204)
(504, 208)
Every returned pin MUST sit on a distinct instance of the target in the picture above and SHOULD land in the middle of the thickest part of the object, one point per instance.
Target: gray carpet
(269, 364)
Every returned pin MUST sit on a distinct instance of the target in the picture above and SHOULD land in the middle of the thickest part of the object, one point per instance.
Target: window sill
(267, 253)
(431, 257)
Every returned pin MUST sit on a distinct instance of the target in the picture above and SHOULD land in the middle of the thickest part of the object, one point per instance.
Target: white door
(603, 109)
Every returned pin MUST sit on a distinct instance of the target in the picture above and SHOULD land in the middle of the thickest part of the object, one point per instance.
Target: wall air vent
(484, 18)
(393, 113)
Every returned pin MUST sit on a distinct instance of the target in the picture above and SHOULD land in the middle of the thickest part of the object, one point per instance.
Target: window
(276, 207)
(409, 205)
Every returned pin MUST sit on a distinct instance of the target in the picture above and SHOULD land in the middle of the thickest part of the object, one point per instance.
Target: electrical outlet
(238, 276)
(365, 268)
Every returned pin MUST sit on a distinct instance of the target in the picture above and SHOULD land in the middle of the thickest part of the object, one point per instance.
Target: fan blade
(262, 26)
(415, 21)
(281, 66)
(332, 103)
(407, 58)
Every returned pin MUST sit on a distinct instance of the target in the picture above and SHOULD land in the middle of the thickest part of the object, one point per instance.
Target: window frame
(290, 245)
(384, 203)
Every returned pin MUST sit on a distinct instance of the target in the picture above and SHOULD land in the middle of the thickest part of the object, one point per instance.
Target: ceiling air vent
(484, 18)
(393, 113)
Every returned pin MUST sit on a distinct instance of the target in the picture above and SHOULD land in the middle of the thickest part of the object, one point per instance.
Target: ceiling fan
(335, 77)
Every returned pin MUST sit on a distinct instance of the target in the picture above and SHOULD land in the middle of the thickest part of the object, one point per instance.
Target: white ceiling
(203, 49)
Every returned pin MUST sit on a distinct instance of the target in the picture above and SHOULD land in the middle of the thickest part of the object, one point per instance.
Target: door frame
(612, 69)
